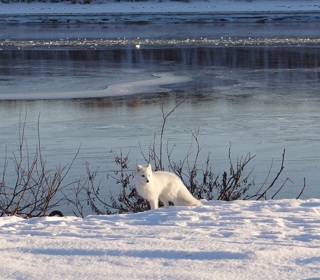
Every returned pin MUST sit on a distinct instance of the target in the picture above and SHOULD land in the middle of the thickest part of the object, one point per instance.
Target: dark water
(259, 99)
(80, 70)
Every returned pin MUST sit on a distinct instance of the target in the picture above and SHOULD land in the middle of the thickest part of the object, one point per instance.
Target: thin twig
(276, 178)
(302, 190)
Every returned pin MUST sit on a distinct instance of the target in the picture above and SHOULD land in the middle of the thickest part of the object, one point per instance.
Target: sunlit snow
(220, 240)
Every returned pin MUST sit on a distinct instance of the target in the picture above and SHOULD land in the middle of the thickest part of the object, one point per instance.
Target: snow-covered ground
(164, 6)
(149, 11)
(220, 240)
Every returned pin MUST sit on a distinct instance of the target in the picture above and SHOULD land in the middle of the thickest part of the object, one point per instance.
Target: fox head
(144, 173)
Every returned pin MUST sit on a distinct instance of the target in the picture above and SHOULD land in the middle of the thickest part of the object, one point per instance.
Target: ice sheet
(149, 85)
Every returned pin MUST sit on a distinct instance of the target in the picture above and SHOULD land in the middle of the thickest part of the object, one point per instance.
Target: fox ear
(139, 167)
(149, 166)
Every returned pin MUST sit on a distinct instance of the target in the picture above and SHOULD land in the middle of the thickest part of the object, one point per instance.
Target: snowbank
(205, 11)
(220, 240)
(163, 6)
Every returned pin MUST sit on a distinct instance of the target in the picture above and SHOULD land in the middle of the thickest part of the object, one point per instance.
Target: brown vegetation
(37, 191)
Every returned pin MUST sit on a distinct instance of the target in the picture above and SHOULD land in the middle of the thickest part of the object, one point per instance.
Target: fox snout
(145, 177)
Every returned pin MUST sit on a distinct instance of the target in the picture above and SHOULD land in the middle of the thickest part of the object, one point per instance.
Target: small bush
(36, 190)
(203, 183)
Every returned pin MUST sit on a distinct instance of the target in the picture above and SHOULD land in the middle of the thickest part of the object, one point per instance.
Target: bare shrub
(35, 190)
(203, 182)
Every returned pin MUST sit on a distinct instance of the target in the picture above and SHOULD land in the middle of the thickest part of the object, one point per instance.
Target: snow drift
(220, 240)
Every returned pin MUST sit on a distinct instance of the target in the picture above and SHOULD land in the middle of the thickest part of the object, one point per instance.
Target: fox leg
(153, 204)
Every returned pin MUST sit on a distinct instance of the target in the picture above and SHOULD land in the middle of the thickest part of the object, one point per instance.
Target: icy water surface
(257, 98)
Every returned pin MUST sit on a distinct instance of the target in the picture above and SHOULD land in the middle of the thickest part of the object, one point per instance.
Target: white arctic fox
(162, 185)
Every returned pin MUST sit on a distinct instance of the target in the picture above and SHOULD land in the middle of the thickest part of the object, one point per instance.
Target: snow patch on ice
(147, 86)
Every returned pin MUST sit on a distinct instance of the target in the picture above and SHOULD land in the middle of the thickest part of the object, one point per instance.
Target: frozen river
(256, 90)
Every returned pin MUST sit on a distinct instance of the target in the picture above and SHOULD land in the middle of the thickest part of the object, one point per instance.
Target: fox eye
(142, 176)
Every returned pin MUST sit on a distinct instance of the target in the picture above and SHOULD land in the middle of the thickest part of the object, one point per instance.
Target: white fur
(162, 185)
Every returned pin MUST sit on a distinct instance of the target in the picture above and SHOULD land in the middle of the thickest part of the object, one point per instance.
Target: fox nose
(147, 181)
